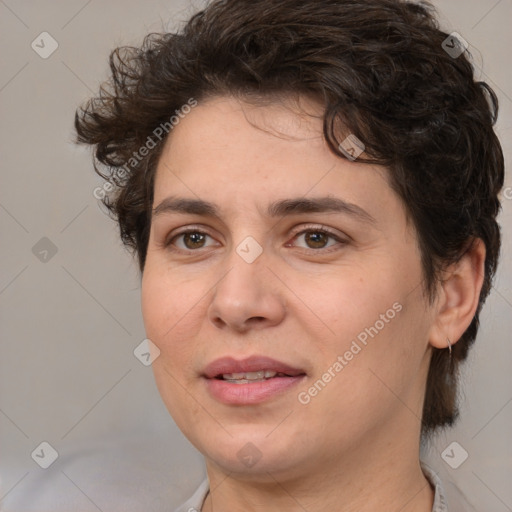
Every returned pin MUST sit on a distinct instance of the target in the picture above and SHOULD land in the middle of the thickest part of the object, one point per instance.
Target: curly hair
(382, 72)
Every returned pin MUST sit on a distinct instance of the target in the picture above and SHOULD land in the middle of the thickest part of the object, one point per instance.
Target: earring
(449, 346)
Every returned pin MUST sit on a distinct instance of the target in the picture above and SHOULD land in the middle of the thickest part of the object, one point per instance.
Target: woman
(311, 188)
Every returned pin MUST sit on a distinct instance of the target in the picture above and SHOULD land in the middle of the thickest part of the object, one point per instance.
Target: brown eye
(189, 240)
(317, 238)
(193, 240)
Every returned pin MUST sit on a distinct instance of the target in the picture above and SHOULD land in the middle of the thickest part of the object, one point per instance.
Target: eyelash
(307, 229)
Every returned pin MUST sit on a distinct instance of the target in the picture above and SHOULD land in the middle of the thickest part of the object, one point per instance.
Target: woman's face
(271, 276)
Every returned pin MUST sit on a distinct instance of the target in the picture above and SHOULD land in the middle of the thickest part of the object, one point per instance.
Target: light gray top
(449, 499)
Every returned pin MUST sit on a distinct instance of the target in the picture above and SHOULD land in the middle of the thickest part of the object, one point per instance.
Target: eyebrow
(279, 208)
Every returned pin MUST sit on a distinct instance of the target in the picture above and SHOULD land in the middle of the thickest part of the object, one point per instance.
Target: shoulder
(195, 502)
(447, 496)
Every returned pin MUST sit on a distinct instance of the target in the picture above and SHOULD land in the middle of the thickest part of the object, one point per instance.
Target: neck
(365, 480)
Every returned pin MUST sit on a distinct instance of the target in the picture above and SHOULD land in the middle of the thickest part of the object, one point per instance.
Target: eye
(315, 237)
(318, 238)
(191, 239)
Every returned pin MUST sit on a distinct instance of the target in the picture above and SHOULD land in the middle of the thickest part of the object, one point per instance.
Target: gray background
(70, 322)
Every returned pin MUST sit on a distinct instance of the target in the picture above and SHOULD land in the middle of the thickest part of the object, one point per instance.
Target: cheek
(167, 303)
(168, 320)
(347, 301)
(156, 305)
(373, 317)
(169, 323)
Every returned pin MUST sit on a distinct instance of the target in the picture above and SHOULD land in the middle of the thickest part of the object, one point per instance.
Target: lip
(250, 392)
(249, 364)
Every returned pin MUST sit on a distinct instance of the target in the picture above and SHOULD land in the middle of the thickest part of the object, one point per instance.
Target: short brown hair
(378, 66)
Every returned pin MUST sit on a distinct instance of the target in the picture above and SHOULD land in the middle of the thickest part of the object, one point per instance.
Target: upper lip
(249, 364)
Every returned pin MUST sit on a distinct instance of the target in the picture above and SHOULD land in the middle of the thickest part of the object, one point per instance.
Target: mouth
(246, 377)
(251, 380)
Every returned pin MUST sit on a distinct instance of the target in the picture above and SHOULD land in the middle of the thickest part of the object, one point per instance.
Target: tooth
(243, 377)
(231, 376)
(255, 375)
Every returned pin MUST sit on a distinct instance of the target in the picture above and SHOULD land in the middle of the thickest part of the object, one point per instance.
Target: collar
(195, 503)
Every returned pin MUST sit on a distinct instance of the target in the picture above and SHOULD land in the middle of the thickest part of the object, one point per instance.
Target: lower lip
(251, 392)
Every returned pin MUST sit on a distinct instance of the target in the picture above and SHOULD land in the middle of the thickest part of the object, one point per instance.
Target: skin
(355, 445)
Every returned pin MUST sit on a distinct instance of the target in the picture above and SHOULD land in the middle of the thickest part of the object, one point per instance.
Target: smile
(245, 377)
(248, 381)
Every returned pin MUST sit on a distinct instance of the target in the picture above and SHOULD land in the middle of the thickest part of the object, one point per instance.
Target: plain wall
(69, 324)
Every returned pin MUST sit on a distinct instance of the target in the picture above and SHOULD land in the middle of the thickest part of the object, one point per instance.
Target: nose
(249, 296)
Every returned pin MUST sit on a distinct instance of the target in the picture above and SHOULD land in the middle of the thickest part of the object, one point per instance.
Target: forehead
(223, 124)
(238, 154)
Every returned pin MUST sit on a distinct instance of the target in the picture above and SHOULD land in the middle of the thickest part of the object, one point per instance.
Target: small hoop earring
(449, 346)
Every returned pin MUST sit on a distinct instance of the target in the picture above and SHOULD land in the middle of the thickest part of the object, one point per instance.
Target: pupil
(195, 238)
(316, 238)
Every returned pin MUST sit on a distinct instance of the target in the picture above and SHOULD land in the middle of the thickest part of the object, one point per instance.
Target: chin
(252, 451)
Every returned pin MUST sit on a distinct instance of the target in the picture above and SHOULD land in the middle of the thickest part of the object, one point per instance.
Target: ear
(458, 296)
